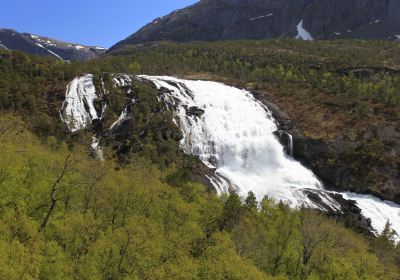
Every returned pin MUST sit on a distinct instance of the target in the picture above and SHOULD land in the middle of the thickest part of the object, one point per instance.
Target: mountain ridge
(214, 20)
(41, 45)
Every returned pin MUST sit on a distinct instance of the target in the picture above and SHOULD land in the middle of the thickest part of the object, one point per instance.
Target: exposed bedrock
(345, 164)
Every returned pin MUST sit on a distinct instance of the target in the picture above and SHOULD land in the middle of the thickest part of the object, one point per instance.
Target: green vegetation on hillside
(353, 70)
(151, 131)
(64, 215)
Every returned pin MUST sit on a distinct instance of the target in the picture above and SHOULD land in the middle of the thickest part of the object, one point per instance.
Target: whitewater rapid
(235, 136)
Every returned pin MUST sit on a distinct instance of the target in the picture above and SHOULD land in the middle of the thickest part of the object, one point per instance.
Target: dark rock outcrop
(194, 111)
(343, 164)
(212, 20)
(349, 212)
(38, 45)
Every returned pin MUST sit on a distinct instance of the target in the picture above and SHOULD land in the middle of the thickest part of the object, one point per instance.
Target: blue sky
(88, 22)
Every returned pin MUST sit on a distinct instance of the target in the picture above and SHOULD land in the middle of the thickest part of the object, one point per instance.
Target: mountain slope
(138, 220)
(39, 45)
(210, 20)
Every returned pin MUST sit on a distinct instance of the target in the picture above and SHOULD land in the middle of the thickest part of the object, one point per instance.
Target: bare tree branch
(53, 192)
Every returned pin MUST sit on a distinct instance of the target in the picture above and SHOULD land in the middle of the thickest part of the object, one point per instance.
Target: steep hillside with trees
(66, 215)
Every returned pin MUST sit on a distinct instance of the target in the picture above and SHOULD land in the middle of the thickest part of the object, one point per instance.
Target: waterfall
(78, 109)
(235, 136)
(289, 146)
(97, 149)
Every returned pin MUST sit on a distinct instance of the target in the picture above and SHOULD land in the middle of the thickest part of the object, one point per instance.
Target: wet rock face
(194, 111)
(368, 164)
(211, 20)
(343, 164)
(286, 140)
(349, 212)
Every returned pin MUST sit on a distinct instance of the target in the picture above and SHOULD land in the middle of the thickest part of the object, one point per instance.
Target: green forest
(64, 214)
(354, 71)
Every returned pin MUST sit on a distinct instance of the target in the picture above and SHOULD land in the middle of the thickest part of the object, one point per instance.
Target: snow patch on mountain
(51, 52)
(43, 41)
(44, 46)
(397, 36)
(260, 17)
(2, 46)
(302, 33)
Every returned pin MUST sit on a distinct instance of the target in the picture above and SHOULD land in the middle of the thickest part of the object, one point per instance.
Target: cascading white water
(289, 141)
(379, 211)
(78, 108)
(235, 136)
(290, 144)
